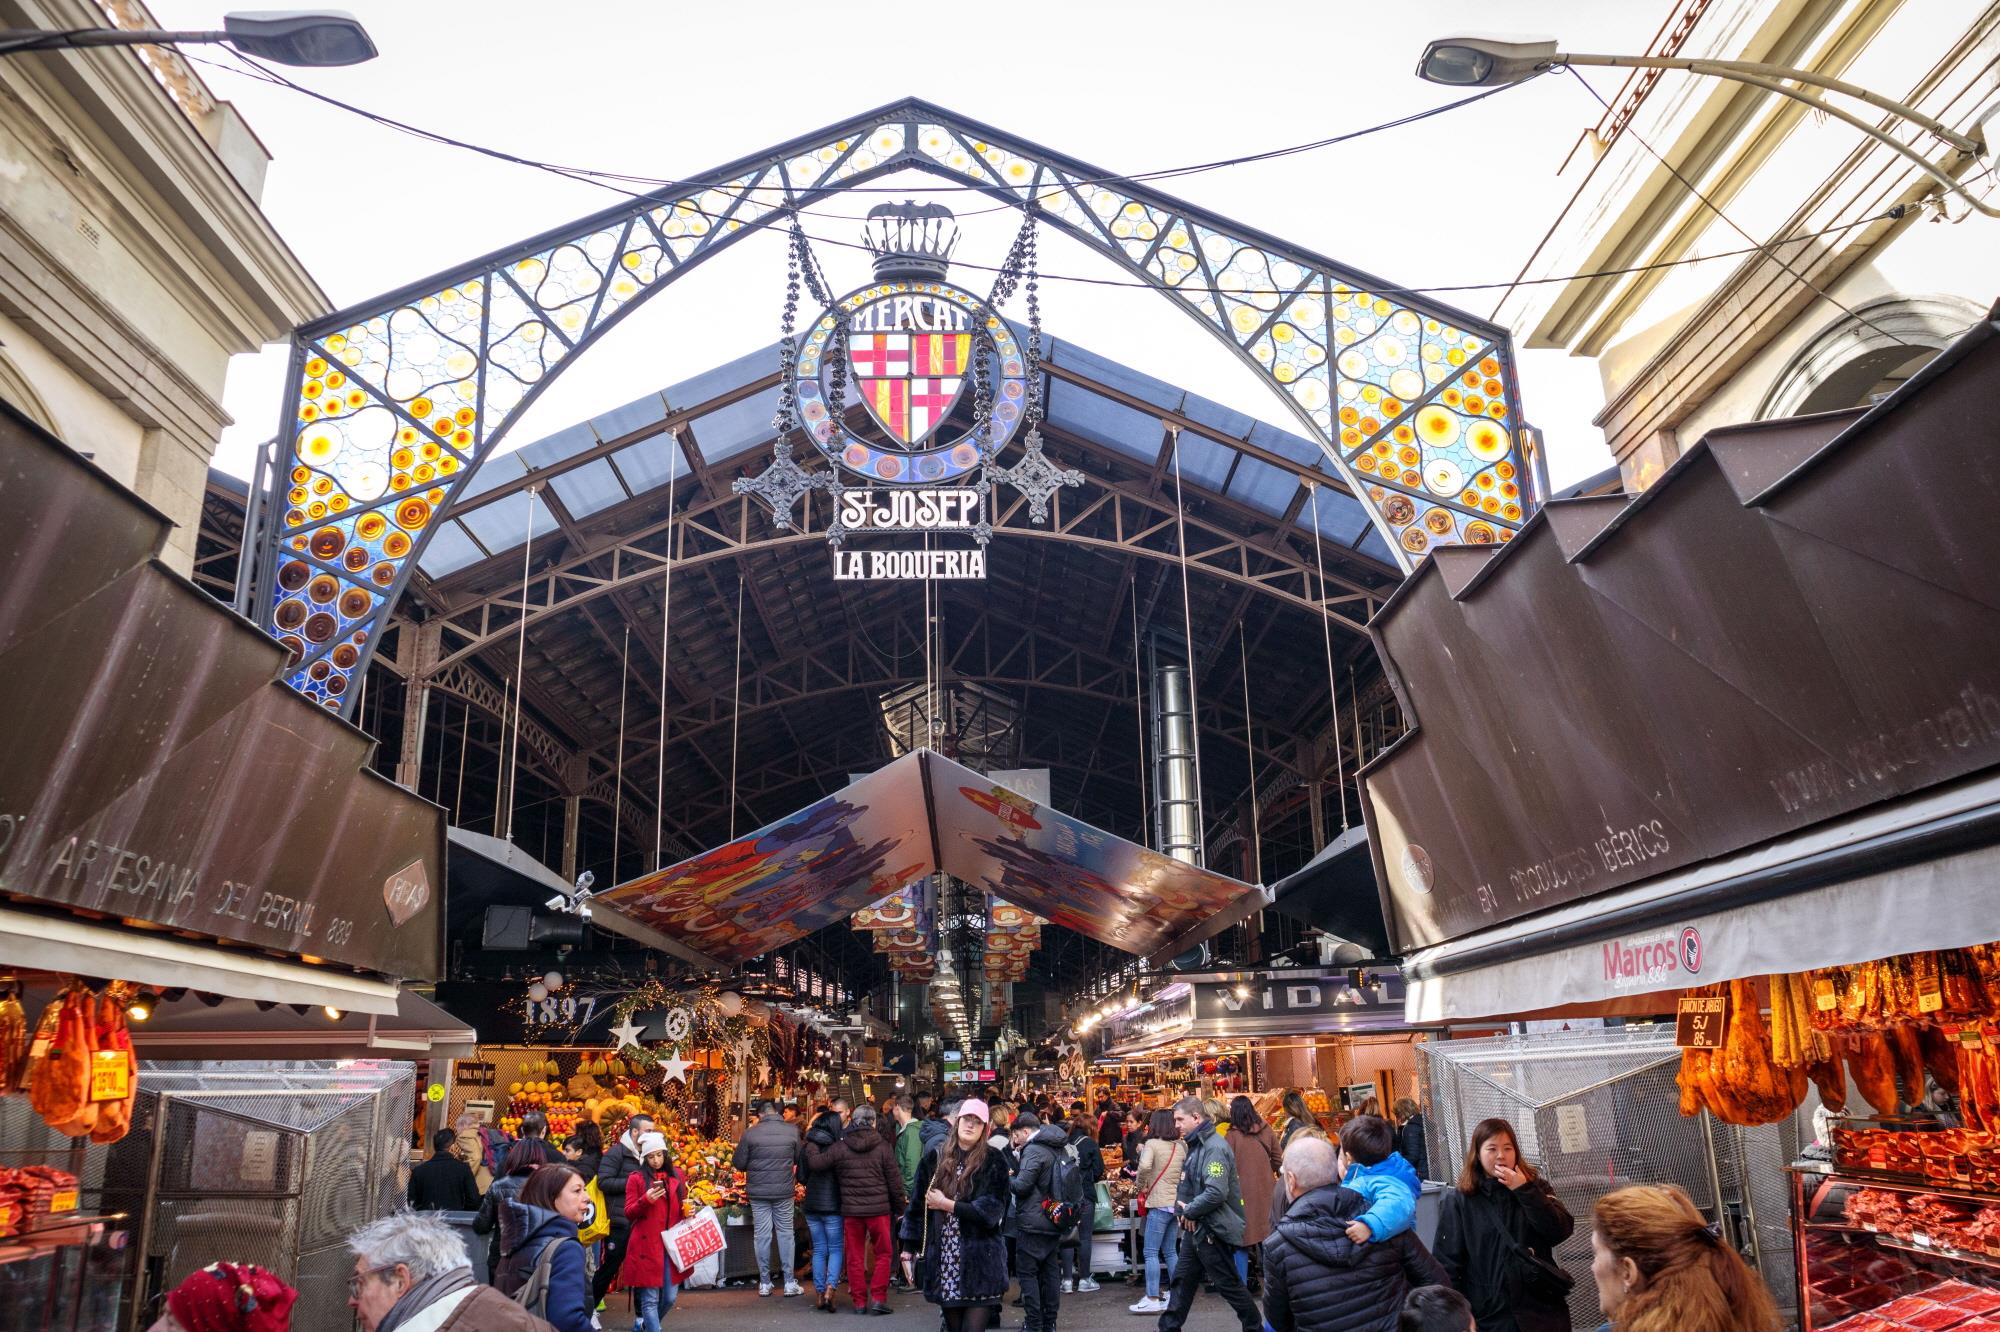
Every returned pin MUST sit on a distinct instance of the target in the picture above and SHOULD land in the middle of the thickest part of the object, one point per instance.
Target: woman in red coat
(655, 1202)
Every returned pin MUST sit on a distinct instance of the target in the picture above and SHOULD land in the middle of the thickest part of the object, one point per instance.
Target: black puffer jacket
(768, 1155)
(1035, 1177)
(613, 1169)
(871, 1183)
(822, 1186)
(1472, 1244)
(1317, 1280)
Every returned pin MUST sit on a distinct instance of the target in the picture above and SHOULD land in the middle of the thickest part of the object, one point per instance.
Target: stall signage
(1283, 1005)
(1698, 1023)
(984, 1075)
(1170, 1016)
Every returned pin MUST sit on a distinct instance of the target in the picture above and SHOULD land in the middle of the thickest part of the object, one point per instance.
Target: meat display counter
(1881, 1252)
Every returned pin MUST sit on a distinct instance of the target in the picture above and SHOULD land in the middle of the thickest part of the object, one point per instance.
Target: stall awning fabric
(919, 815)
(1915, 875)
(37, 941)
(1795, 625)
(237, 1029)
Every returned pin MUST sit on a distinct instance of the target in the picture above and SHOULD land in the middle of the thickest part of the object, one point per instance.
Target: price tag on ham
(63, 1200)
(110, 1075)
(1698, 1023)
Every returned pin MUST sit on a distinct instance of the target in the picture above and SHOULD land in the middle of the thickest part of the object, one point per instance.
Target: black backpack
(1064, 1202)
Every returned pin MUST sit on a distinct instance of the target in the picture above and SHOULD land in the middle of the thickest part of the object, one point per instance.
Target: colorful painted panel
(1066, 871)
(393, 404)
(784, 881)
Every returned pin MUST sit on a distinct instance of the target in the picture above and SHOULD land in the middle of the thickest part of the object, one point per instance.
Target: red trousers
(867, 1278)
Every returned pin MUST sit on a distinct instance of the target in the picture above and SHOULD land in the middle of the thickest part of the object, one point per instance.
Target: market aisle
(742, 1311)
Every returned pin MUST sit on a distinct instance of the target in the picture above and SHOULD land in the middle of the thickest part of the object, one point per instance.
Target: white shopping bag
(695, 1238)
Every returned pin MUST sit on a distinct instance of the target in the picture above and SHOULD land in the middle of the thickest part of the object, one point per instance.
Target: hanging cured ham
(113, 1065)
(59, 1086)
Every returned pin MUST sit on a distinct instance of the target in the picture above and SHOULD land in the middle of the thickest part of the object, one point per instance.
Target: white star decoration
(627, 1032)
(677, 1067)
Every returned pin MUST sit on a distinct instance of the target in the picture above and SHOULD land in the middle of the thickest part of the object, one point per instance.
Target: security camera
(583, 911)
(556, 903)
(584, 880)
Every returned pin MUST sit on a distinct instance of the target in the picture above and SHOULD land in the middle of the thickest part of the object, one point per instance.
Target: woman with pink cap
(955, 1223)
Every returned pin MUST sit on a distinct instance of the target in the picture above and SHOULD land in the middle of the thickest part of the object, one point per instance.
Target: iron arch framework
(391, 405)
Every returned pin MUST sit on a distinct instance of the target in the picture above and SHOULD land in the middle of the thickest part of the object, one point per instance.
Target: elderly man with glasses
(412, 1274)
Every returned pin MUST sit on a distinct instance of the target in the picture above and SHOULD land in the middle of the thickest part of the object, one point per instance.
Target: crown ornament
(910, 240)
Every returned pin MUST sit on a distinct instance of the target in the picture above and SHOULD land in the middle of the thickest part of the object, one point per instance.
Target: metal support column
(424, 641)
(572, 818)
(1176, 799)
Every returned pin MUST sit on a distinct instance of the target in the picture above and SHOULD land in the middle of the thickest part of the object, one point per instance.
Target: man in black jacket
(1315, 1278)
(613, 1168)
(444, 1183)
(1036, 1237)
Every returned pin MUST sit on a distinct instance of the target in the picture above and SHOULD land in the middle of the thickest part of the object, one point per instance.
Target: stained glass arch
(392, 404)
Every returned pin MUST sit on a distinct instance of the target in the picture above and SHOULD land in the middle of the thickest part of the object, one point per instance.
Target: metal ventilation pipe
(1176, 786)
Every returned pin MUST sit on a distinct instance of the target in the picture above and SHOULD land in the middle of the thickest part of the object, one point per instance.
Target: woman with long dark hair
(521, 1162)
(954, 1222)
(1159, 1176)
(1297, 1117)
(1661, 1267)
(548, 1259)
(1497, 1233)
(1257, 1161)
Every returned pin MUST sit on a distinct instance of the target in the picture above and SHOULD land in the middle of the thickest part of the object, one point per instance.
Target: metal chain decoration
(784, 483)
(1033, 475)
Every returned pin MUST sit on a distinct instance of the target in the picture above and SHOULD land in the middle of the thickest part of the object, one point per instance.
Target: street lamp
(285, 37)
(1472, 60)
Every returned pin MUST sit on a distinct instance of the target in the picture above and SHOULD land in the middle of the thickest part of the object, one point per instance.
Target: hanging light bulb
(142, 1005)
(554, 980)
(332, 1014)
(537, 992)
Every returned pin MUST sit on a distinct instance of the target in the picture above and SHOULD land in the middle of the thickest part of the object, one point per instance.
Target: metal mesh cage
(1598, 1109)
(272, 1165)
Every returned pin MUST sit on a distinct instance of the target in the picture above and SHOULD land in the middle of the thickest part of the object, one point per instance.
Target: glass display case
(1881, 1251)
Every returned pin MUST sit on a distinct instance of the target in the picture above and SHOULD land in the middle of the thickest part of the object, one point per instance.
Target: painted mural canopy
(394, 403)
(920, 815)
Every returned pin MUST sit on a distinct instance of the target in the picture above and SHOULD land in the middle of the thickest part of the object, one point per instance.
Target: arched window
(20, 394)
(1863, 357)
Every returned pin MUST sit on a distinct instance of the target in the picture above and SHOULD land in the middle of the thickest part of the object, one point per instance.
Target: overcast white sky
(673, 89)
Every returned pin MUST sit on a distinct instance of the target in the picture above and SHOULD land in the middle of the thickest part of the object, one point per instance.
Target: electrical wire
(1768, 249)
(588, 176)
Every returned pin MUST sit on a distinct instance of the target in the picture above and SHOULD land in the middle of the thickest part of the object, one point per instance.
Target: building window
(1863, 357)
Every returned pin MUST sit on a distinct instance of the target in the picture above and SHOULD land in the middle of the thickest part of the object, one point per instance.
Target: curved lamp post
(1473, 61)
(298, 37)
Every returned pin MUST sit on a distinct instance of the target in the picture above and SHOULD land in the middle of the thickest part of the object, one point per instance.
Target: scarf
(424, 1294)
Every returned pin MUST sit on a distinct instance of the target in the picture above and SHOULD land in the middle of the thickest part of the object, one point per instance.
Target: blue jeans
(1160, 1248)
(653, 1304)
(828, 1243)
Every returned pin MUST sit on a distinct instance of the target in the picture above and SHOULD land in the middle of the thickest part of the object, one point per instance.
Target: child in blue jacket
(1372, 1167)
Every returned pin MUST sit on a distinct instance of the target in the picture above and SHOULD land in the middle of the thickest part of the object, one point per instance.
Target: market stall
(1749, 722)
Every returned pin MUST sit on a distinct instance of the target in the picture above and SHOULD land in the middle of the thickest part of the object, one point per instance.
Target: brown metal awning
(157, 773)
(1798, 622)
(920, 815)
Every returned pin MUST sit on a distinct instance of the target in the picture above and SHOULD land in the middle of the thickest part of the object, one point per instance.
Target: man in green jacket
(909, 1155)
(1209, 1210)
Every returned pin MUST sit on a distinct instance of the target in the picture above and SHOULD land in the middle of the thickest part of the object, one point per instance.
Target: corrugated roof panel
(564, 443)
(495, 471)
(503, 524)
(1286, 445)
(1102, 421)
(1223, 420)
(1263, 487)
(735, 374)
(448, 551)
(1113, 375)
(634, 415)
(730, 430)
(1203, 462)
(644, 465)
(586, 489)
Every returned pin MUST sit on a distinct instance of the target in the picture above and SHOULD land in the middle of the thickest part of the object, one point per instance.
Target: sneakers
(763, 1290)
(1149, 1304)
(793, 1288)
(1084, 1285)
